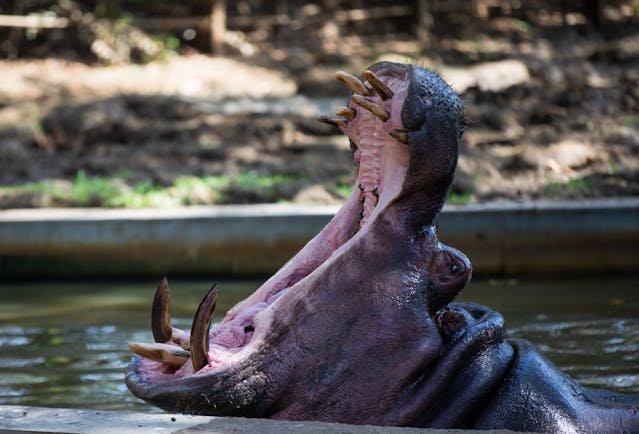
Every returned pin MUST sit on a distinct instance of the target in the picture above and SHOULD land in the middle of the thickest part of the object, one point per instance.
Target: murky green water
(64, 345)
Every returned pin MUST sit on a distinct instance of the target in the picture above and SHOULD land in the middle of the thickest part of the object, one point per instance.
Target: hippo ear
(449, 273)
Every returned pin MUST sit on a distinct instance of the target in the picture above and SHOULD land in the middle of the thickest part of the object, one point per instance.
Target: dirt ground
(552, 113)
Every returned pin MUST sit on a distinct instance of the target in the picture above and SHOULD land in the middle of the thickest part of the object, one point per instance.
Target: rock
(488, 76)
(574, 155)
(562, 157)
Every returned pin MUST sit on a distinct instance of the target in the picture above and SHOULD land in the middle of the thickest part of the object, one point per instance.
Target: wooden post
(218, 25)
(13, 40)
(593, 12)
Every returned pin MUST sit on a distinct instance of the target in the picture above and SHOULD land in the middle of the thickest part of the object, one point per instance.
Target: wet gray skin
(356, 327)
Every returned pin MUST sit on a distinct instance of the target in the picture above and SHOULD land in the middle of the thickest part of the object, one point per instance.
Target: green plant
(578, 186)
(615, 167)
(117, 192)
(524, 26)
(343, 190)
(460, 198)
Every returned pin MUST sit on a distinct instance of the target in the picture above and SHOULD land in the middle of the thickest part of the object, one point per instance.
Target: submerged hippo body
(359, 327)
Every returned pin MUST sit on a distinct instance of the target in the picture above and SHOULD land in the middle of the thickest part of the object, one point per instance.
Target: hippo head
(345, 330)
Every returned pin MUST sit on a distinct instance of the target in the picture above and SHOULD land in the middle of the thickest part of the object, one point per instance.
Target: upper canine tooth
(372, 107)
(347, 112)
(402, 136)
(352, 82)
(382, 88)
(334, 120)
(200, 329)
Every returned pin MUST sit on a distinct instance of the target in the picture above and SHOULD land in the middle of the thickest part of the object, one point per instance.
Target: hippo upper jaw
(353, 311)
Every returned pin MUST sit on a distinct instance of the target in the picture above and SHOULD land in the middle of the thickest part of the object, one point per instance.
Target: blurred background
(134, 104)
(130, 103)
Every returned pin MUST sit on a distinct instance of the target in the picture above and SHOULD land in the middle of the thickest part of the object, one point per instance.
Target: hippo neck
(560, 403)
(473, 361)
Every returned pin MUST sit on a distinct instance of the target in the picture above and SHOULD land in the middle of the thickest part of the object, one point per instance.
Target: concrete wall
(25, 419)
(500, 239)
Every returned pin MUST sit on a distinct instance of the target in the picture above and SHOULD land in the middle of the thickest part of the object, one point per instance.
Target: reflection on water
(589, 328)
(64, 345)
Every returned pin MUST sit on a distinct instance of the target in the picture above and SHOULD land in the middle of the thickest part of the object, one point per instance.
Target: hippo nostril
(248, 329)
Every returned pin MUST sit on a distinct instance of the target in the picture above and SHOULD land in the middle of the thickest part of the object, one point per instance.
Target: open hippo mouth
(349, 326)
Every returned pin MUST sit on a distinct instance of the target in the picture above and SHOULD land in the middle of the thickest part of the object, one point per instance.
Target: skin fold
(359, 327)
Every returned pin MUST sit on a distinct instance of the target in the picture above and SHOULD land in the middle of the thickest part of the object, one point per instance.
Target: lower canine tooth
(165, 353)
(200, 329)
(160, 315)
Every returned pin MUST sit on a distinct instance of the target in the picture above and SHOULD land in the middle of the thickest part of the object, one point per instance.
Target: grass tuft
(115, 192)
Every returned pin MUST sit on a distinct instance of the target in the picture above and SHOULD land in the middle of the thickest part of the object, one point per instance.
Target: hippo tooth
(372, 107)
(160, 314)
(165, 353)
(382, 88)
(347, 112)
(181, 338)
(352, 82)
(334, 120)
(200, 329)
(402, 136)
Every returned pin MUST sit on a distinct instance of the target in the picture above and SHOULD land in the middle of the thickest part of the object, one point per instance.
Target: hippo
(360, 326)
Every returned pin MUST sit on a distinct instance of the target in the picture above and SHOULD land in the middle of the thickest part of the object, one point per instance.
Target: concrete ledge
(500, 239)
(61, 420)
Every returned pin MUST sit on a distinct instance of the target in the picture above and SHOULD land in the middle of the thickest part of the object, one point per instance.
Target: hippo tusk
(200, 329)
(347, 112)
(334, 120)
(399, 135)
(352, 82)
(382, 88)
(160, 313)
(165, 353)
(372, 107)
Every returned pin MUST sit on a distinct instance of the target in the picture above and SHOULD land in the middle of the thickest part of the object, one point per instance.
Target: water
(64, 345)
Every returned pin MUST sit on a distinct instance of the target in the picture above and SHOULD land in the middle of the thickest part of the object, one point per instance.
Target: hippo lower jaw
(352, 312)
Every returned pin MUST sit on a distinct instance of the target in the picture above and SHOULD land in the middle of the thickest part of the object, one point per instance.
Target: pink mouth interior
(382, 162)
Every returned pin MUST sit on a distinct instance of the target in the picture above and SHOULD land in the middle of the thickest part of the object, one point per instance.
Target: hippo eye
(453, 268)
(248, 329)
